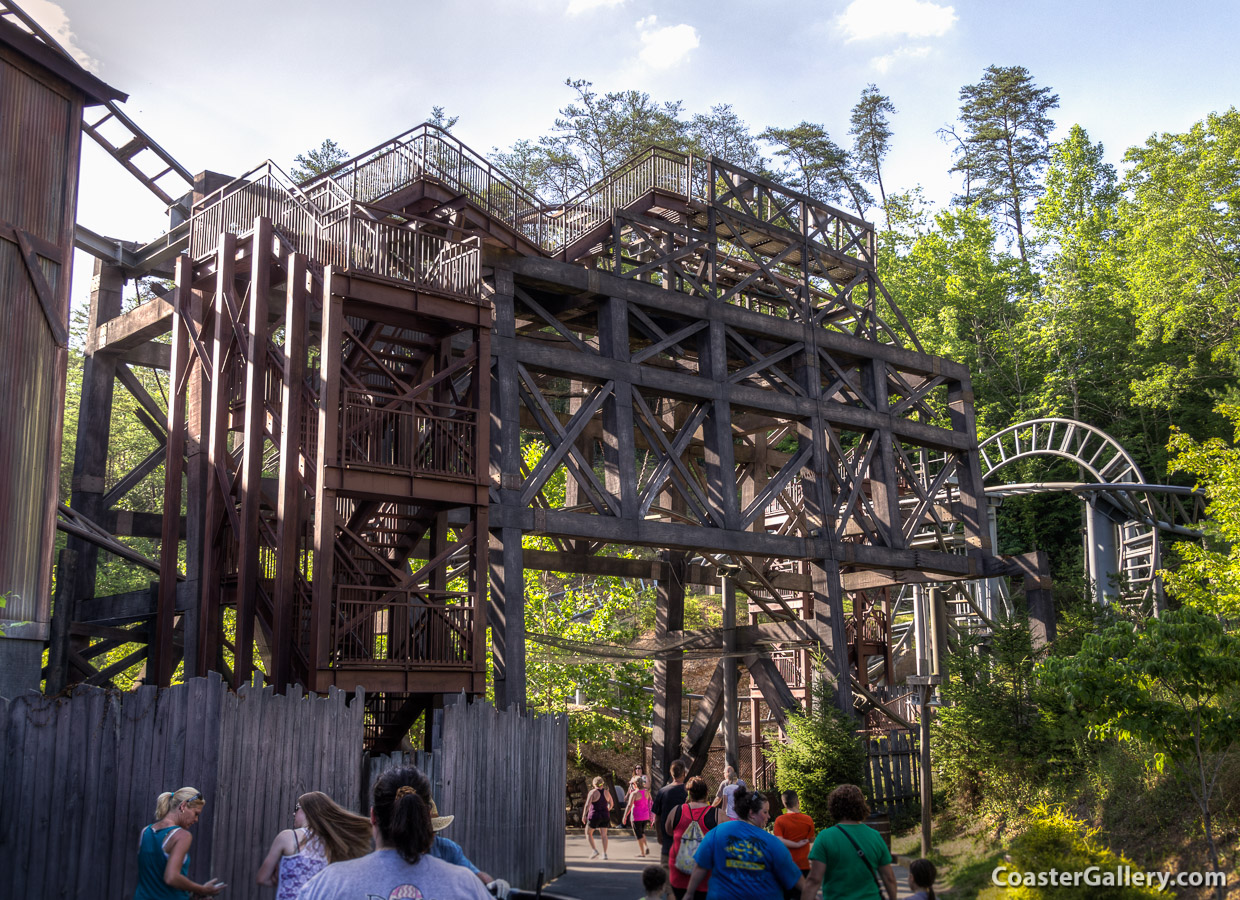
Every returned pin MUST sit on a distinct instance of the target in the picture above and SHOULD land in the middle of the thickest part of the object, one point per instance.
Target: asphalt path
(619, 877)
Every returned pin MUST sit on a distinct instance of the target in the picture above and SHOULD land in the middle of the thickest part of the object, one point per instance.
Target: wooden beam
(705, 723)
(665, 740)
(136, 327)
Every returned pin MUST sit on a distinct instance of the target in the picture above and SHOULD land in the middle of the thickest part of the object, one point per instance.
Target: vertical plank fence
(80, 774)
(502, 775)
(892, 771)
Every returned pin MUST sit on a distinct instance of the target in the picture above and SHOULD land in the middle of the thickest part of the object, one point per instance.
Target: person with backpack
(688, 824)
(743, 859)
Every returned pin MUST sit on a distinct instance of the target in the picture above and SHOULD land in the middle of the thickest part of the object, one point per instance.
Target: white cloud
(55, 21)
(864, 20)
(577, 7)
(664, 47)
(884, 63)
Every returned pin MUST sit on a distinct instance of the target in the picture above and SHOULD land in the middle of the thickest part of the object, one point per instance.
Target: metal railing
(428, 150)
(350, 235)
(313, 215)
(411, 628)
(651, 169)
(398, 434)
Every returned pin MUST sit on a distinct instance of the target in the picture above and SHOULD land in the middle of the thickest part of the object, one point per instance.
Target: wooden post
(328, 456)
(217, 457)
(507, 569)
(254, 444)
(160, 657)
(288, 509)
(665, 740)
(925, 685)
(90, 460)
(731, 736)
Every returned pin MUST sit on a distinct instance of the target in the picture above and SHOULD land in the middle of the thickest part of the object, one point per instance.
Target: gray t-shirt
(383, 875)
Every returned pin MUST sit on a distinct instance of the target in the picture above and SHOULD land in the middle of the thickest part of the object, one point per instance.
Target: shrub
(822, 752)
(1056, 841)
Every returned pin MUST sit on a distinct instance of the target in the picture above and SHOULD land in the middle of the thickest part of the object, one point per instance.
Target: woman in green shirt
(850, 856)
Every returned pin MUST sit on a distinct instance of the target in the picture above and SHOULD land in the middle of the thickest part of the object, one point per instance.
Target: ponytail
(402, 808)
(923, 874)
(745, 801)
(168, 800)
(163, 805)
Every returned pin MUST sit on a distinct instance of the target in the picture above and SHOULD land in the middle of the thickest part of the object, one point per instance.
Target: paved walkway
(619, 877)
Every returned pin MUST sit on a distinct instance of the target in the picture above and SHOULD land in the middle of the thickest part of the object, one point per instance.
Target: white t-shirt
(728, 792)
(383, 875)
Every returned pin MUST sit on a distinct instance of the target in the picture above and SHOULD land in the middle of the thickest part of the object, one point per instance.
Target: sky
(227, 84)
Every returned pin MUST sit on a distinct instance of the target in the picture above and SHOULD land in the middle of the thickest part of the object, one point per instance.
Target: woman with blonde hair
(323, 832)
(163, 849)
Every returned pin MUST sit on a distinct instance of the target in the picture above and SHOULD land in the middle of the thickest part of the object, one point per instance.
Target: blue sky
(225, 84)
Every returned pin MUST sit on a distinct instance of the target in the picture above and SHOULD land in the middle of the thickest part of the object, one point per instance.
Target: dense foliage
(821, 753)
(1055, 841)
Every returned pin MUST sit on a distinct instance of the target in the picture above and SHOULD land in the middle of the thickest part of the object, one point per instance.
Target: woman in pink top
(637, 810)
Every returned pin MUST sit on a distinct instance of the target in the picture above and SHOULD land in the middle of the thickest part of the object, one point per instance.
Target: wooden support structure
(711, 363)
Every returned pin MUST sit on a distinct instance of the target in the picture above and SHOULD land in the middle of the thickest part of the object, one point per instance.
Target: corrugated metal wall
(40, 141)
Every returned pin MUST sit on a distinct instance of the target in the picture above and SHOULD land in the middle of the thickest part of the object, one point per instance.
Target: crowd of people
(720, 849)
(329, 853)
(723, 849)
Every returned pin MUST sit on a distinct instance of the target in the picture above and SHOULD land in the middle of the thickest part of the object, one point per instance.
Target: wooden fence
(502, 776)
(892, 771)
(80, 774)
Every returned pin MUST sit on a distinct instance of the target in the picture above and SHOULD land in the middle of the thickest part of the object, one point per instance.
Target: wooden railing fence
(80, 774)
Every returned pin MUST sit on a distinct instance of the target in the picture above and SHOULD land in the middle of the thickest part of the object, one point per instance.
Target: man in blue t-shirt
(745, 863)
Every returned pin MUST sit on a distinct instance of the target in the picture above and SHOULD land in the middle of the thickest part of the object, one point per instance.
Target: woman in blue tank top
(163, 850)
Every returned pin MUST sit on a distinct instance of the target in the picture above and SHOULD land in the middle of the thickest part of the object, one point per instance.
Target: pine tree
(1007, 138)
(817, 166)
(314, 162)
(871, 133)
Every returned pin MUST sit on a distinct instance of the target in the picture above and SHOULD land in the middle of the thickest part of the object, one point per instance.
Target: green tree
(821, 753)
(815, 165)
(724, 134)
(440, 119)
(1181, 241)
(871, 134)
(1171, 685)
(968, 301)
(1007, 128)
(1085, 325)
(1208, 577)
(603, 130)
(325, 156)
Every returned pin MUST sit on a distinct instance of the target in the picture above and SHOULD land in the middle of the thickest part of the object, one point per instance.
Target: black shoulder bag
(882, 891)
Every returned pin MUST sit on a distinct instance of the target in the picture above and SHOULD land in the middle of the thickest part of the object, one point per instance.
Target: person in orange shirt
(796, 830)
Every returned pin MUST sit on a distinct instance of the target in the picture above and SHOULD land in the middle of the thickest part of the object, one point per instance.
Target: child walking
(654, 883)
(921, 876)
(796, 830)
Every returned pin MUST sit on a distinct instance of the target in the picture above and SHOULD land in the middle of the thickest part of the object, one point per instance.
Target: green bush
(822, 752)
(1001, 735)
(1054, 841)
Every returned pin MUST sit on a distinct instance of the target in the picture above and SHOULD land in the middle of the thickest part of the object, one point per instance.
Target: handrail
(652, 168)
(427, 151)
(354, 236)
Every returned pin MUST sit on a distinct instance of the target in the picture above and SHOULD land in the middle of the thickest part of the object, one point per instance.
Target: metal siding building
(42, 93)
